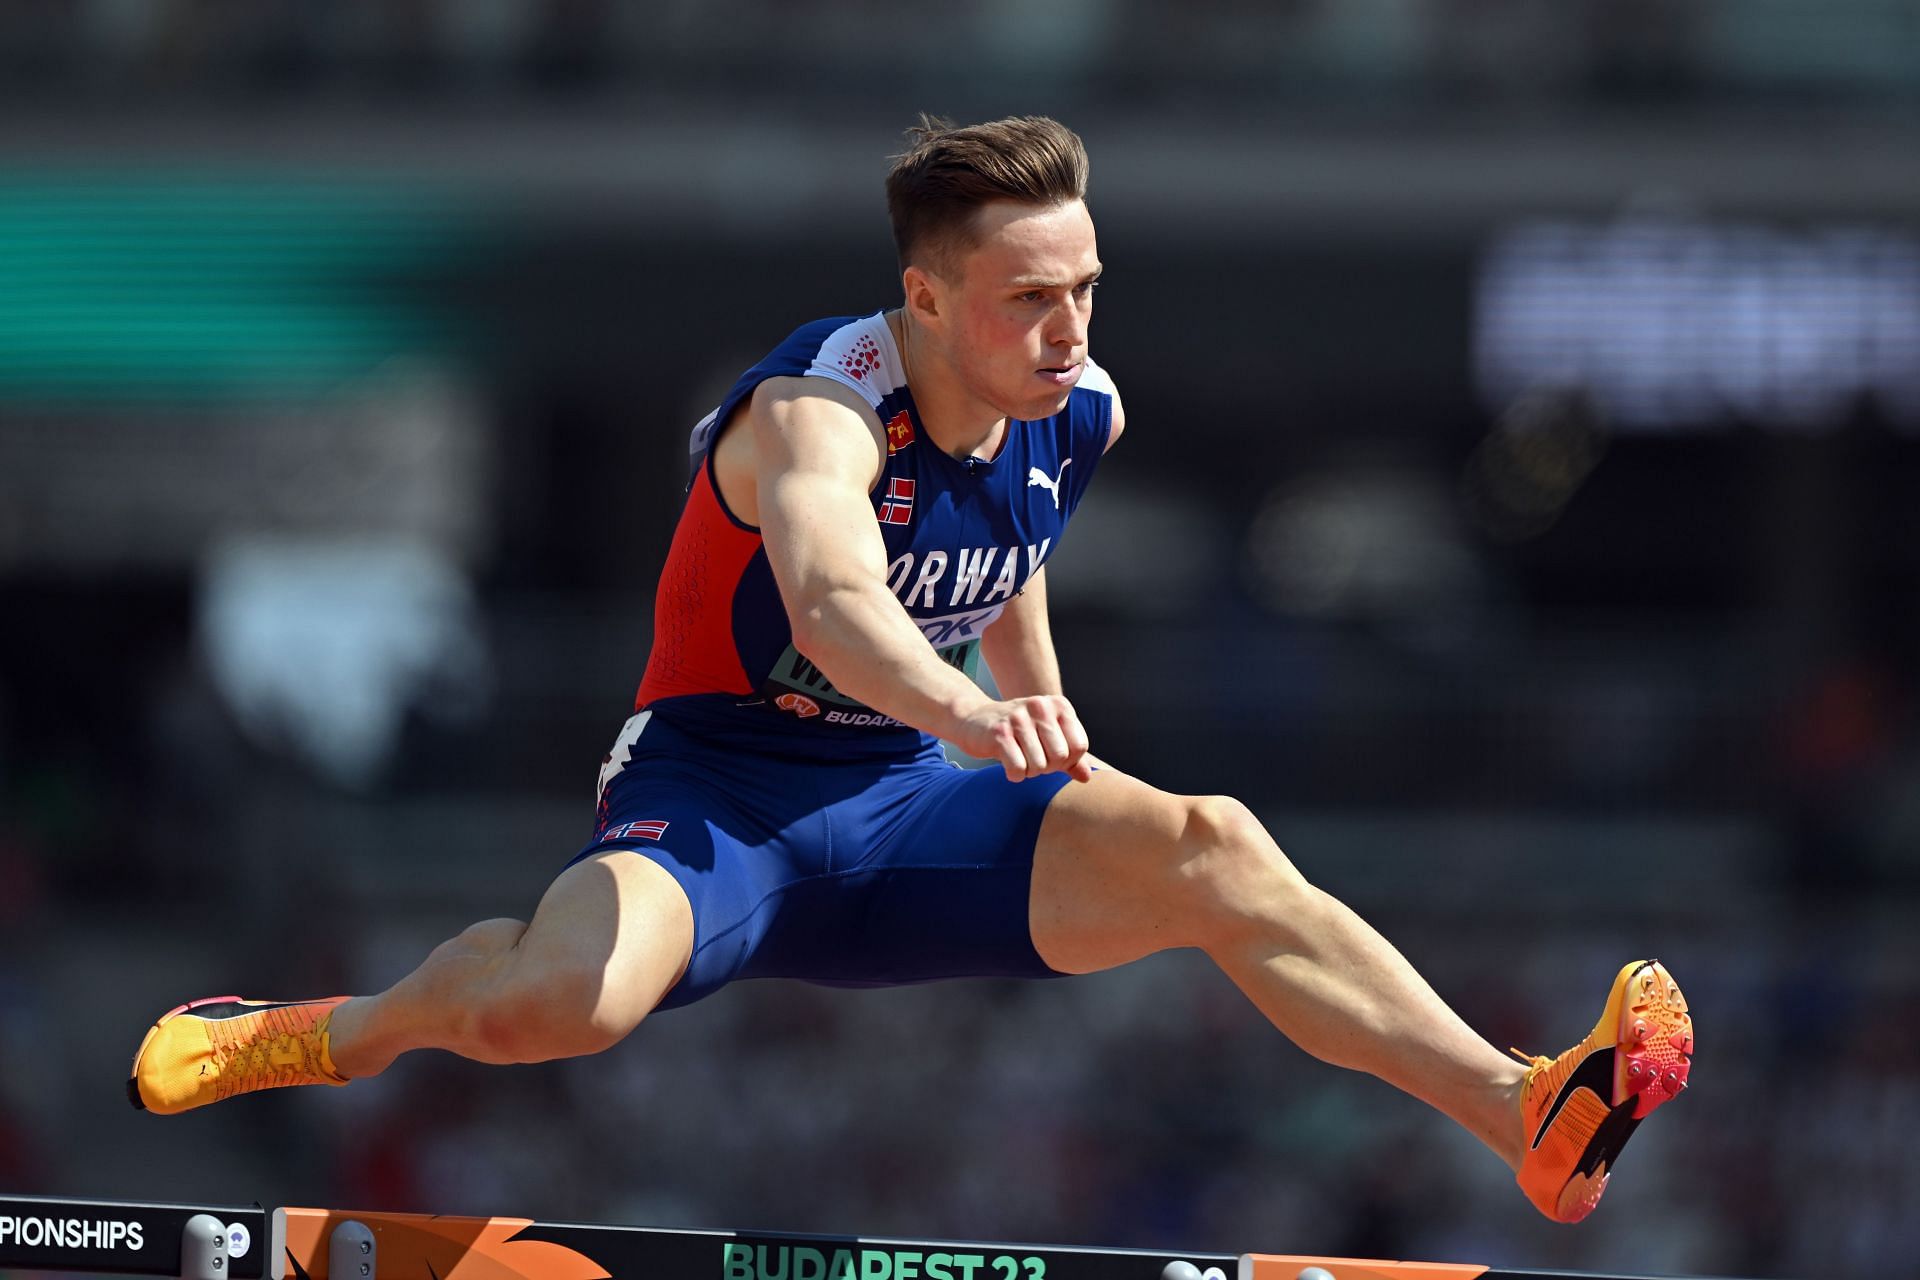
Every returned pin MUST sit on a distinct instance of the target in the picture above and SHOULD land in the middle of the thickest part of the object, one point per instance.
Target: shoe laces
(271, 1054)
(1538, 1065)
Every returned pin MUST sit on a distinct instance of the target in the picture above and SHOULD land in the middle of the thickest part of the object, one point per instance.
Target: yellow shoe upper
(213, 1049)
(1580, 1108)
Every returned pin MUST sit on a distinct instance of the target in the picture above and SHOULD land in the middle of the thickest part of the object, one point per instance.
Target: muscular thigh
(619, 922)
(1110, 873)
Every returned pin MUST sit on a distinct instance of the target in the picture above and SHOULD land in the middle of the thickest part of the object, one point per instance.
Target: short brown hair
(946, 175)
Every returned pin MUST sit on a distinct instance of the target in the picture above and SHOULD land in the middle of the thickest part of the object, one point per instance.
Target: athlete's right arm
(818, 450)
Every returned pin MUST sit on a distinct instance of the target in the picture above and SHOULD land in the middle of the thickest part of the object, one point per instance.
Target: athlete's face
(1018, 306)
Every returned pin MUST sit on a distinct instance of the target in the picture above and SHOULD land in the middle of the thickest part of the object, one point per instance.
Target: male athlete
(871, 511)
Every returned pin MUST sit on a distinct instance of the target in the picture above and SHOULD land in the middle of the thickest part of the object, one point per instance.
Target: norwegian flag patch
(898, 508)
(650, 829)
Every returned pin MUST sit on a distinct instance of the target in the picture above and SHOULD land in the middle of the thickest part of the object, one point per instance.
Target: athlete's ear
(924, 292)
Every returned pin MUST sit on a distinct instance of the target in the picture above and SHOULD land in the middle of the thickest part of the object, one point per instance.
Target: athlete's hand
(1029, 737)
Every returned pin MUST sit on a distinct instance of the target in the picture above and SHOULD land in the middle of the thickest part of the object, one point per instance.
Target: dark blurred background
(1518, 513)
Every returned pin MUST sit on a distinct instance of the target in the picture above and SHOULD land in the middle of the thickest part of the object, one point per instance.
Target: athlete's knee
(1221, 836)
(540, 1016)
(1231, 865)
(529, 1007)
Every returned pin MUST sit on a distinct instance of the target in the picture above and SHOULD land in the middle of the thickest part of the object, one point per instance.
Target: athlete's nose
(1069, 328)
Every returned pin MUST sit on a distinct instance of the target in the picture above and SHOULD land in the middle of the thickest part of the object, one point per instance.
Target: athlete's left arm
(1118, 424)
(1018, 646)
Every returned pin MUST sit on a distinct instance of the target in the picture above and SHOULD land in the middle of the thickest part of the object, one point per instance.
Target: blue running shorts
(847, 874)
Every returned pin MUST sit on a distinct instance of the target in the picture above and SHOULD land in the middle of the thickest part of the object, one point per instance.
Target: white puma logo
(1035, 476)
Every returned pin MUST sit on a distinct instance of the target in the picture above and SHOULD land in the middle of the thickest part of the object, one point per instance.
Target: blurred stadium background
(1519, 513)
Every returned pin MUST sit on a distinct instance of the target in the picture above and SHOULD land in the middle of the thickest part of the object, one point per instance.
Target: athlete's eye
(1085, 288)
(1031, 295)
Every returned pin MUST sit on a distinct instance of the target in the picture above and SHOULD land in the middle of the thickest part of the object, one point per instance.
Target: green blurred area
(213, 288)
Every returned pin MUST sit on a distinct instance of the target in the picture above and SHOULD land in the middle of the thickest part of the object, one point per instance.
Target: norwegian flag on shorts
(898, 507)
(651, 829)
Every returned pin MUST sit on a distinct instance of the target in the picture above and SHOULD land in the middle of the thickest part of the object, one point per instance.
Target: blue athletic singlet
(962, 538)
(816, 837)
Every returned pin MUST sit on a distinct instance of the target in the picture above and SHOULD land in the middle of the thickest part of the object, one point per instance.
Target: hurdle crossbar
(130, 1237)
(215, 1242)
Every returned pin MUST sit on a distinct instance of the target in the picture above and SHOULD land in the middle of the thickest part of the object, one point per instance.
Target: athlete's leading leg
(1122, 870)
(610, 937)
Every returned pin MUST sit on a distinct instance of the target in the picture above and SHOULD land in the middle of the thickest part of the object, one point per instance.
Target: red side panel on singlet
(693, 643)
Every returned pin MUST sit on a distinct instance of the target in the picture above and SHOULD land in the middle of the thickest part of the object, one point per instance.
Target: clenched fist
(1028, 736)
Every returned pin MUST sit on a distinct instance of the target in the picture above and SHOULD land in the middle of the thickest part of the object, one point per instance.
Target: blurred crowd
(1300, 50)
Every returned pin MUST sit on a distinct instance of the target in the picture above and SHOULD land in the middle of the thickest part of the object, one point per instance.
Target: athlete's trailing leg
(609, 938)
